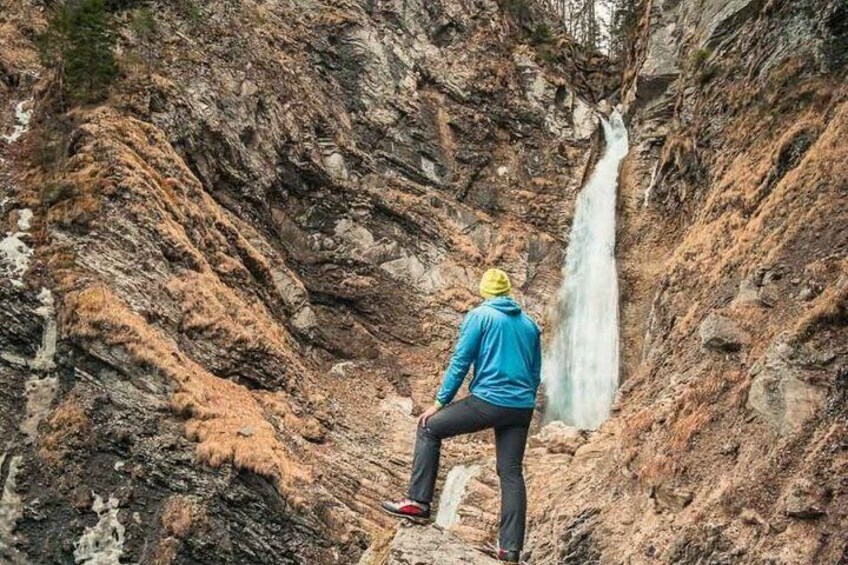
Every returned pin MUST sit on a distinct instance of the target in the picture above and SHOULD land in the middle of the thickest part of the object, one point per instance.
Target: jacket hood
(504, 304)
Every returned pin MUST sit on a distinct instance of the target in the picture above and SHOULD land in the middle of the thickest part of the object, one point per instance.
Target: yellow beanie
(494, 283)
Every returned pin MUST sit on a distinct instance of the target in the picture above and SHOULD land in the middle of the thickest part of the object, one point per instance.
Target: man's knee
(428, 433)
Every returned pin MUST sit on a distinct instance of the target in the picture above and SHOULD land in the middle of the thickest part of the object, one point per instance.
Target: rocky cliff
(228, 288)
(728, 444)
(232, 283)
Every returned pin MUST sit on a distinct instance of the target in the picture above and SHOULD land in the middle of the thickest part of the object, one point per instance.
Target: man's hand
(422, 419)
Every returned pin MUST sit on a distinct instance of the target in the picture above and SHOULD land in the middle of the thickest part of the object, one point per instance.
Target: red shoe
(508, 556)
(409, 509)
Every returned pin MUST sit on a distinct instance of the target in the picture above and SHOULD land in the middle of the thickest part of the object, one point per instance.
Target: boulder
(719, 333)
(804, 500)
(779, 394)
(417, 545)
(558, 437)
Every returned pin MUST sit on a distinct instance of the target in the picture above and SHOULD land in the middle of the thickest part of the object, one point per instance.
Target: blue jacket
(505, 347)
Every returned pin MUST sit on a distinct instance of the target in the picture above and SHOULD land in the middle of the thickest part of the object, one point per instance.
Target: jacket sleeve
(537, 360)
(470, 334)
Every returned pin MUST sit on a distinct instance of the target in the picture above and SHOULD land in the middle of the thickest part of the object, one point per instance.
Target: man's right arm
(464, 355)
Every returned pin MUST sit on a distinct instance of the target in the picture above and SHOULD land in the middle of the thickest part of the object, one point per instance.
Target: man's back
(507, 367)
(504, 346)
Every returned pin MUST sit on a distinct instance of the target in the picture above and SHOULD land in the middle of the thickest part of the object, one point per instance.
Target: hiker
(503, 344)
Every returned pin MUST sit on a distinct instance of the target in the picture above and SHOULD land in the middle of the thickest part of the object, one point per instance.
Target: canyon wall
(728, 440)
(251, 258)
(228, 288)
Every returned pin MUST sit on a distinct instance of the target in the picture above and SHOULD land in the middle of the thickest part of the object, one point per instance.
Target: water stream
(452, 494)
(580, 369)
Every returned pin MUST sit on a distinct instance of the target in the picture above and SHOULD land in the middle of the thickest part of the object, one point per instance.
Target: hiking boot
(508, 556)
(409, 509)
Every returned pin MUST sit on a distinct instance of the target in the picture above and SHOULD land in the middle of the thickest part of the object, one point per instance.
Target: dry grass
(685, 428)
(165, 552)
(179, 515)
(122, 156)
(223, 317)
(637, 424)
(217, 408)
(656, 470)
(830, 306)
(68, 430)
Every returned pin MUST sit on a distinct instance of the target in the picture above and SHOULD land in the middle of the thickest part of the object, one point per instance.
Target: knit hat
(494, 283)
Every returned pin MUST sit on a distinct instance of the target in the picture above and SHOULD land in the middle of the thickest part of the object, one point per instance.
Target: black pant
(472, 414)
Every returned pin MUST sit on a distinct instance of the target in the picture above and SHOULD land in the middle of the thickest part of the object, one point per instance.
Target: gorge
(231, 281)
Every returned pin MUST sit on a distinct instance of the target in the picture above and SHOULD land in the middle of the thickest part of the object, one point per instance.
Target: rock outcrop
(258, 248)
(731, 222)
(417, 545)
(227, 289)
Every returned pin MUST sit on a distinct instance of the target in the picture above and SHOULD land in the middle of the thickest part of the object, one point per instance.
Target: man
(503, 344)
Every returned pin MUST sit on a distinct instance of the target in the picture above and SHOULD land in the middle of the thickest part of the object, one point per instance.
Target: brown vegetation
(217, 408)
(67, 431)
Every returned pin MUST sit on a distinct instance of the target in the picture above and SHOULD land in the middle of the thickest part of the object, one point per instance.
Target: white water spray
(454, 490)
(580, 369)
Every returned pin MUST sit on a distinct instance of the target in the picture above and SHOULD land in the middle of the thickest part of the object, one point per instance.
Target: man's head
(495, 283)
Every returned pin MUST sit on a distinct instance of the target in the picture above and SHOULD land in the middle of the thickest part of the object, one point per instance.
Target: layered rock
(725, 440)
(259, 247)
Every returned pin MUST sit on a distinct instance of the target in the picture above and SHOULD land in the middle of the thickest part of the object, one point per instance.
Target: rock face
(227, 289)
(781, 390)
(415, 545)
(719, 333)
(258, 249)
(733, 344)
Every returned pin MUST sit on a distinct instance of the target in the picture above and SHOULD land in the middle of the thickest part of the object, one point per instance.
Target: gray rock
(778, 394)
(804, 500)
(558, 437)
(426, 545)
(719, 333)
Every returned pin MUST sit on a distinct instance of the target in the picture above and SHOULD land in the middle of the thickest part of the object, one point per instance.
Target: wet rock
(778, 393)
(719, 333)
(804, 500)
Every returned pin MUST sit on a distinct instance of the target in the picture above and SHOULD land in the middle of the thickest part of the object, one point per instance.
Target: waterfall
(452, 494)
(580, 369)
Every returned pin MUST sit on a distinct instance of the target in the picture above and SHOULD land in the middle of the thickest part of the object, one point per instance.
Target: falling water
(580, 369)
(452, 494)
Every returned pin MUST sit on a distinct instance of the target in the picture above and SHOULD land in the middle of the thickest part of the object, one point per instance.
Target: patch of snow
(428, 167)
(24, 219)
(14, 257)
(22, 119)
(14, 252)
(43, 360)
(39, 397)
(335, 164)
(11, 507)
(103, 543)
(502, 170)
(341, 369)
